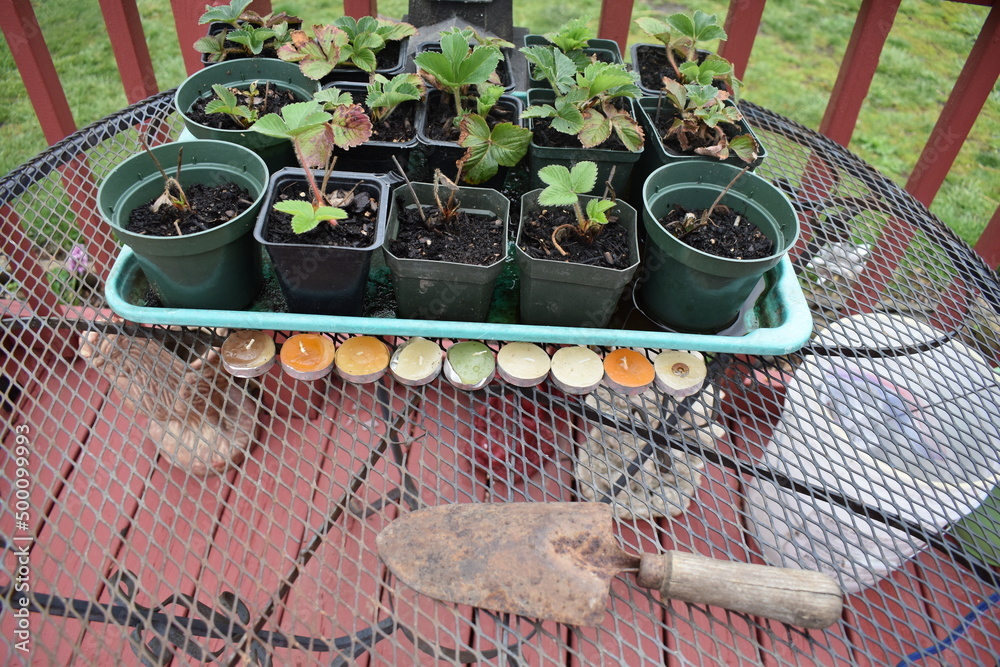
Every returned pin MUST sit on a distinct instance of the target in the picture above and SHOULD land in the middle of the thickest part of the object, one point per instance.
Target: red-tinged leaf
(350, 126)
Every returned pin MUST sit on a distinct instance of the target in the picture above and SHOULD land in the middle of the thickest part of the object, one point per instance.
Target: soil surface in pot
(441, 117)
(269, 99)
(665, 119)
(653, 65)
(468, 239)
(211, 206)
(728, 234)
(357, 230)
(609, 248)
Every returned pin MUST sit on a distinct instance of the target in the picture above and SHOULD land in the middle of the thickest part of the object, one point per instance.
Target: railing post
(988, 245)
(34, 62)
(124, 26)
(967, 98)
(742, 23)
(359, 8)
(857, 68)
(616, 15)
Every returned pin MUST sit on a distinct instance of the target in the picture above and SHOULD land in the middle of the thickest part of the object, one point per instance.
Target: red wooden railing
(874, 21)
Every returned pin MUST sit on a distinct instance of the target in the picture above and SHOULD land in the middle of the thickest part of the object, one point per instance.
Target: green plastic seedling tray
(777, 322)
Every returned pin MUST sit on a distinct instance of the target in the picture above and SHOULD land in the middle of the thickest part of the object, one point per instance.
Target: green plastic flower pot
(434, 290)
(567, 294)
(686, 289)
(656, 155)
(216, 269)
(542, 156)
(277, 153)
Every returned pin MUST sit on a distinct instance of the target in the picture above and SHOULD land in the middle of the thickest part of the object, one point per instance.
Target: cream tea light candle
(679, 373)
(576, 370)
(416, 362)
(628, 372)
(469, 365)
(523, 364)
(362, 359)
(308, 356)
(248, 353)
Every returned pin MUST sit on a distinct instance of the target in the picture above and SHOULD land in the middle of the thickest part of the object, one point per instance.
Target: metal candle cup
(248, 354)
(416, 362)
(576, 370)
(628, 372)
(523, 364)
(362, 359)
(308, 356)
(469, 365)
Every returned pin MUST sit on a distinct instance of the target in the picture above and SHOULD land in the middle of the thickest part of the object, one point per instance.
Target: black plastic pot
(656, 154)
(323, 280)
(433, 290)
(567, 294)
(543, 156)
(351, 73)
(686, 289)
(217, 269)
(277, 153)
(375, 156)
(444, 154)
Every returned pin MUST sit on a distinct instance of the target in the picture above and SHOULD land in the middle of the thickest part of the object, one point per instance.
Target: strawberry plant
(571, 39)
(244, 114)
(346, 41)
(248, 30)
(459, 68)
(680, 35)
(385, 95)
(564, 187)
(701, 115)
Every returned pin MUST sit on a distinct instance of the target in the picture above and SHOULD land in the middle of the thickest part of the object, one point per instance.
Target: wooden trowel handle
(797, 597)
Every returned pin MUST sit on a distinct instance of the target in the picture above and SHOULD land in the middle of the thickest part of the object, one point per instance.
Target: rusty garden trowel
(555, 561)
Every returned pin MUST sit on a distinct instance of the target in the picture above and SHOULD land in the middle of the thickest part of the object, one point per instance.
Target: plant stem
(317, 196)
(706, 216)
(413, 193)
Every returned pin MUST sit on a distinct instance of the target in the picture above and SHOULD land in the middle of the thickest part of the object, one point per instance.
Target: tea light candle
(308, 356)
(248, 354)
(469, 365)
(362, 359)
(416, 362)
(679, 373)
(576, 370)
(523, 364)
(628, 371)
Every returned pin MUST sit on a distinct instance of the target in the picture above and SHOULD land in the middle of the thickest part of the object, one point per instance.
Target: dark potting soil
(609, 248)
(269, 99)
(211, 206)
(653, 65)
(468, 239)
(441, 117)
(357, 230)
(728, 234)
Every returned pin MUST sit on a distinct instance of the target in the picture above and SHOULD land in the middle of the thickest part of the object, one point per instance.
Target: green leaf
(552, 65)
(456, 66)
(393, 31)
(745, 147)
(316, 55)
(213, 45)
(596, 129)
(225, 103)
(625, 127)
(565, 185)
(489, 95)
(295, 119)
(226, 13)
(607, 80)
(252, 38)
(350, 126)
(333, 97)
(699, 28)
(384, 95)
(487, 150)
(306, 217)
(655, 28)
(572, 36)
(597, 210)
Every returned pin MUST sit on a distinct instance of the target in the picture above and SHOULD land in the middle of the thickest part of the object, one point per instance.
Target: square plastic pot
(565, 293)
(434, 290)
(374, 156)
(323, 279)
(217, 269)
(389, 70)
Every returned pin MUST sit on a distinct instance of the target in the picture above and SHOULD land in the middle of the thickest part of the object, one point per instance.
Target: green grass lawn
(801, 42)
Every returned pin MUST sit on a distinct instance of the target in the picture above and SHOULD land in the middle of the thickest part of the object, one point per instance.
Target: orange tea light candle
(523, 364)
(416, 362)
(576, 370)
(628, 371)
(248, 354)
(469, 365)
(362, 359)
(308, 356)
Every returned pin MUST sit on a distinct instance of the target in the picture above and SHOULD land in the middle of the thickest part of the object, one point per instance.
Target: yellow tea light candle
(416, 362)
(576, 370)
(248, 354)
(679, 373)
(469, 365)
(523, 364)
(308, 356)
(628, 371)
(362, 359)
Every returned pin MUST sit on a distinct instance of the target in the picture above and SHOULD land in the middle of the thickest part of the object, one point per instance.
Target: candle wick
(250, 344)
(302, 348)
(480, 353)
(624, 363)
(420, 360)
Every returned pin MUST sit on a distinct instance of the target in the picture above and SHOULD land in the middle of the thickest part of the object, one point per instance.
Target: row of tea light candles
(467, 365)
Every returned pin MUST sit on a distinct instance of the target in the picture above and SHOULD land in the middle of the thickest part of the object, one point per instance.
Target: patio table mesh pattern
(116, 555)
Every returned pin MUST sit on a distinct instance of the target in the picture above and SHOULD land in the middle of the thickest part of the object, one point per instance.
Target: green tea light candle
(362, 359)
(469, 365)
(523, 364)
(308, 356)
(416, 362)
(248, 354)
(577, 370)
